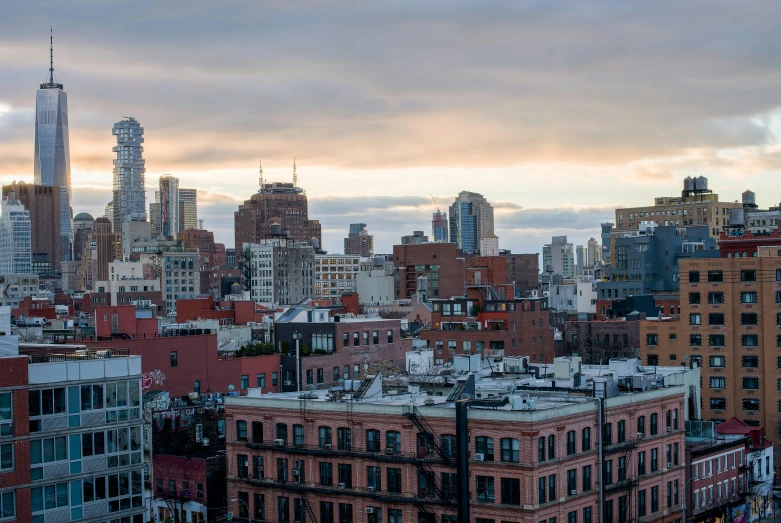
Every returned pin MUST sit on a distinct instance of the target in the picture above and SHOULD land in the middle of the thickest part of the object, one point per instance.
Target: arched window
(241, 430)
(551, 447)
(257, 432)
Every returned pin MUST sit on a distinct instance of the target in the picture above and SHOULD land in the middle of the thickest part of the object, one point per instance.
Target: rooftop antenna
(51, 55)
(295, 176)
(260, 178)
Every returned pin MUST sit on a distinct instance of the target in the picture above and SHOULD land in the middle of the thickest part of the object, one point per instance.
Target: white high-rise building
(15, 237)
(129, 194)
(52, 164)
(188, 209)
(558, 258)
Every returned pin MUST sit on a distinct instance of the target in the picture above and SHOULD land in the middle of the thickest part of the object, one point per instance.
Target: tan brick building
(730, 322)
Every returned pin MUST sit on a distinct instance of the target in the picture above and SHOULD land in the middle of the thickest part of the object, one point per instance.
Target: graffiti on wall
(155, 377)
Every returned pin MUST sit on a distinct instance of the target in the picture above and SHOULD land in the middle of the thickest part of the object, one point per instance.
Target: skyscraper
(188, 209)
(359, 242)
(594, 252)
(129, 196)
(43, 203)
(439, 230)
(471, 218)
(52, 152)
(581, 258)
(15, 250)
(169, 205)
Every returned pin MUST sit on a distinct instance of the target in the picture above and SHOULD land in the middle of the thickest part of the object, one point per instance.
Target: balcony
(387, 455)
(314, 488)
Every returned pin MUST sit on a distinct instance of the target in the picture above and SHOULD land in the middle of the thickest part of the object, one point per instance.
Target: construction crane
(435, 202)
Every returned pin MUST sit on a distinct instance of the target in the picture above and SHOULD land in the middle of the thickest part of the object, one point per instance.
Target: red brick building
(532, 457)
(745, 244)
(228, 312)
(439, 263)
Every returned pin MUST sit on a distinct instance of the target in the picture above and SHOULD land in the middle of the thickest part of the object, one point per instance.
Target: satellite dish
(231, 388)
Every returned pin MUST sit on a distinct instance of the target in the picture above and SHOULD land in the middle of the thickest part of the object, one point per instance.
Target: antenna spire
(295, 176)
(260, 181)
(51, 55)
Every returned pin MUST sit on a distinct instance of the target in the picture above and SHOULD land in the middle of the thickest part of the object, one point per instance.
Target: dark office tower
(52, 152)
(43, 203)
(359, 242)
(281, 204)
(129, 194)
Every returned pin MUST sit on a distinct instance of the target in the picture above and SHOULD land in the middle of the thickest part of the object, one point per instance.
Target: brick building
(43, 202)
(211, 254)
(599, 341)
(522, 456)
(439, 263)
(739, 243)
(522, 269)
(512, 327)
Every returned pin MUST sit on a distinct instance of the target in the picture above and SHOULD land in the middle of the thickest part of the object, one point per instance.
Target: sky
(557, 112)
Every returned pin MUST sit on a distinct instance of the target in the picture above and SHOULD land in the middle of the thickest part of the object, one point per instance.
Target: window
(241, 430)
(244, 382)
(326, 474)
(448, 445)
(345, 513)
(551, 447)
(571, 482)
(748, 275)
(750, 362)
(282, 432)
(485, 446)
(716, 319)
(394, 480)
(571, 443)
(174, 359)
(283, 509)
(718, 403)
(695, 319)
(607, 433)
(257, 471)
(641, 424)
(715, 276)
(572, 517)
(654, 460)
(694, 298)
(511, 491)
(715, 340)
(748, 297)
(242, 465)
(718, 361)
(718, 382)
(324, 437)
(282, 469)
(694, 277)
(298, 435)
(749, 340)
(394, 515)
(485, 488)
(653, 359)
(540, 449)
(654, 499)
(344, 438)
(715, 298)
(49, 497)
(374, 478)
(607, 471)
(393, 441)
(621, 431)
(654, 424)
(274, 378)
(259, 502)
(197, 386)
(587, 514)
(257, 432)
(390, 336)
(585, 439)
(750, 404)
(346, 474)
(751, 383)
(372, 440)
(748, 318)
(587, 478)
(641, 463)
(510, 450)
(261, 380)
(695, 340)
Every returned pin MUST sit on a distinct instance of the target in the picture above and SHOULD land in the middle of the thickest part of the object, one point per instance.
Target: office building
(594, 253)
(129, 185)
(108, 213)
(43, 203)
(73, 439)
(277, 203)
(132, 232)
(471, 218)
(211, 254)
(105, 246)
(188, 209)
(15, 241)
(155, 216)
(230, 255)
(411, 452)
(606, 255)
(336, 274)
(558, 258)
(581, 259)
(439, 227)
(180, 277)
(169, 206)
(52, 150)
(697, 205)
(281, 271)
(82, 226)
(359, 242)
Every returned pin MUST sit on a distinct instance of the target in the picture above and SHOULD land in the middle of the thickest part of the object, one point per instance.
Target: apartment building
(731, 325)
(336, 274)
(280, 271)
(181, 277)
(71, 437)
(368, 452)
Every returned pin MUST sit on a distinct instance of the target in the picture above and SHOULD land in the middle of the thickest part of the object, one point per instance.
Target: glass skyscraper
(52, 151)
(129, 196)
(471, 218)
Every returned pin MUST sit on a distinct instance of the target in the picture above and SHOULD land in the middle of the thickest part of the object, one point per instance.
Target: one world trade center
(52, 152)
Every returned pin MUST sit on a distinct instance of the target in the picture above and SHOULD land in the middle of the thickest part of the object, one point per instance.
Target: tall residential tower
(52, 152)
(471, 218)
(129, 195)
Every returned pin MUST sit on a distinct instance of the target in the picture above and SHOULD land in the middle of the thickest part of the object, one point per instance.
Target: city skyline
(530, 144)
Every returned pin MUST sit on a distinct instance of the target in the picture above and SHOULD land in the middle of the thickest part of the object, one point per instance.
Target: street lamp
(297, 337)
(245, 504)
